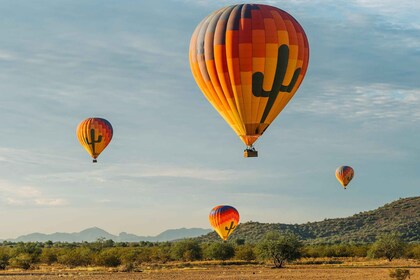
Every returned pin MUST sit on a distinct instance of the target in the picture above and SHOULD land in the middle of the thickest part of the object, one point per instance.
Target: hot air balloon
(224, 219)
(344, 175)
(94, 135)
(249, 60)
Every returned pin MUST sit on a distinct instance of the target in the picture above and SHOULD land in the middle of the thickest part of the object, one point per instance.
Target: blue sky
(172, 157)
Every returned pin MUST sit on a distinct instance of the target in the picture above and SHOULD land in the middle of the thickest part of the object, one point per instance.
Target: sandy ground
(298, 272)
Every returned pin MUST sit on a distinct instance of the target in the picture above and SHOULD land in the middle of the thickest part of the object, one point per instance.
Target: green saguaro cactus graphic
(258, 78)
(231, 227)
(93, 141)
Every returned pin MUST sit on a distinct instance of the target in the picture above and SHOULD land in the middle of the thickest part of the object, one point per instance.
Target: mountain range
(95, 233)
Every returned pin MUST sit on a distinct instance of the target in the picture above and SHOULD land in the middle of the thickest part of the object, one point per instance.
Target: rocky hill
(402, 216)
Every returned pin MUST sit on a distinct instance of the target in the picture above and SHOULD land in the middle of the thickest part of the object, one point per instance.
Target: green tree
(31, 249)
(245, 253)
(389, 246)
(109, 257)
(4, 257)
(280, 247)
(49, 256)
(72, 257)
(21, 260)
(161, 252)
(187, 250)
(220, 251)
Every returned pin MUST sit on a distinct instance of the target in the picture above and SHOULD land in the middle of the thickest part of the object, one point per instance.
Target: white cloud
(13, 201)
(403, 14)
(365, 103)
(50, 202)
(27, 196)
(7, 55)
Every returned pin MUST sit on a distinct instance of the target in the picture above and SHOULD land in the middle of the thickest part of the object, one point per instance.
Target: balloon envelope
(344, 174)
(249, 60)
(224, 219)
(94, 135)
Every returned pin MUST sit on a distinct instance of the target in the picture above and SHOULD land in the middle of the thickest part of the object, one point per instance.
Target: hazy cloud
(27, 196)
(366, 103)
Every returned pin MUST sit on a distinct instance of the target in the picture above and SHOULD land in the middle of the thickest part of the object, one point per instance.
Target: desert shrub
(108, 258)
(187, 250)
(4, 257)
(49, 256)
(219, 251)
(359, 250)
(240, 241)
(81, 256)
(31, 249)
(245, 252)
(400, 274)
(161, 253)
(413, 251)
(312, 251)
(336, 250)
(145, 255)
(22, 260)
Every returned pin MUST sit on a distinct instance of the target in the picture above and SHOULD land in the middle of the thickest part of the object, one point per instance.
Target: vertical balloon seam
(208, 57)
(211, 94)
(214, 79)
(243, 56)
(232, 36)
(221, 66)
(224, 59)
(201, 62)
(258, 102)
(254, 106)
(219, 62)
(201, 72)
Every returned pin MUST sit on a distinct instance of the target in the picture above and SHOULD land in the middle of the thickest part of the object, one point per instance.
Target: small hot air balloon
(224, 219)
(249, 60)
(344, 175)
(94, 135)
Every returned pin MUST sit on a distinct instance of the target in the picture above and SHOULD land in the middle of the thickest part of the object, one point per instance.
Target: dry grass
(347, 269)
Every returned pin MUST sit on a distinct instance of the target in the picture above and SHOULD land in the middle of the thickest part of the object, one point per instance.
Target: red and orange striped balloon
(94, 135)
(249, 60)
(344, 174)
(224, 219)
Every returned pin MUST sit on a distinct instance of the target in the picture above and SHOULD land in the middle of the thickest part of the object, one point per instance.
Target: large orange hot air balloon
(344, 175)
(224, 219)
(94, 135)
(249, 60)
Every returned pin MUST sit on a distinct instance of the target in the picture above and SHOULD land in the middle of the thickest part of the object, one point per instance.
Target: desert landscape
(347, 270)
(197, 139)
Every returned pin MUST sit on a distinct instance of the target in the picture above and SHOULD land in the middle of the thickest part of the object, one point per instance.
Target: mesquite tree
(280, 248)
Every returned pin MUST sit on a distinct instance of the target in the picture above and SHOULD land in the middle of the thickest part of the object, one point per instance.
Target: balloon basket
(250, 153)
(94, 161)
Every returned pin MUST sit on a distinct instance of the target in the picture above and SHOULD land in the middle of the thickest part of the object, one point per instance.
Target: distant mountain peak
(94, 233)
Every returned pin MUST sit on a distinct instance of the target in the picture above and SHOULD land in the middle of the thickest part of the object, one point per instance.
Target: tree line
(274, 247)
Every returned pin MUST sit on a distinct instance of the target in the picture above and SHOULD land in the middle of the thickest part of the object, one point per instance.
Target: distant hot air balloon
(344, 175)
(94, 135)
(249, 60)
(224, 220)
